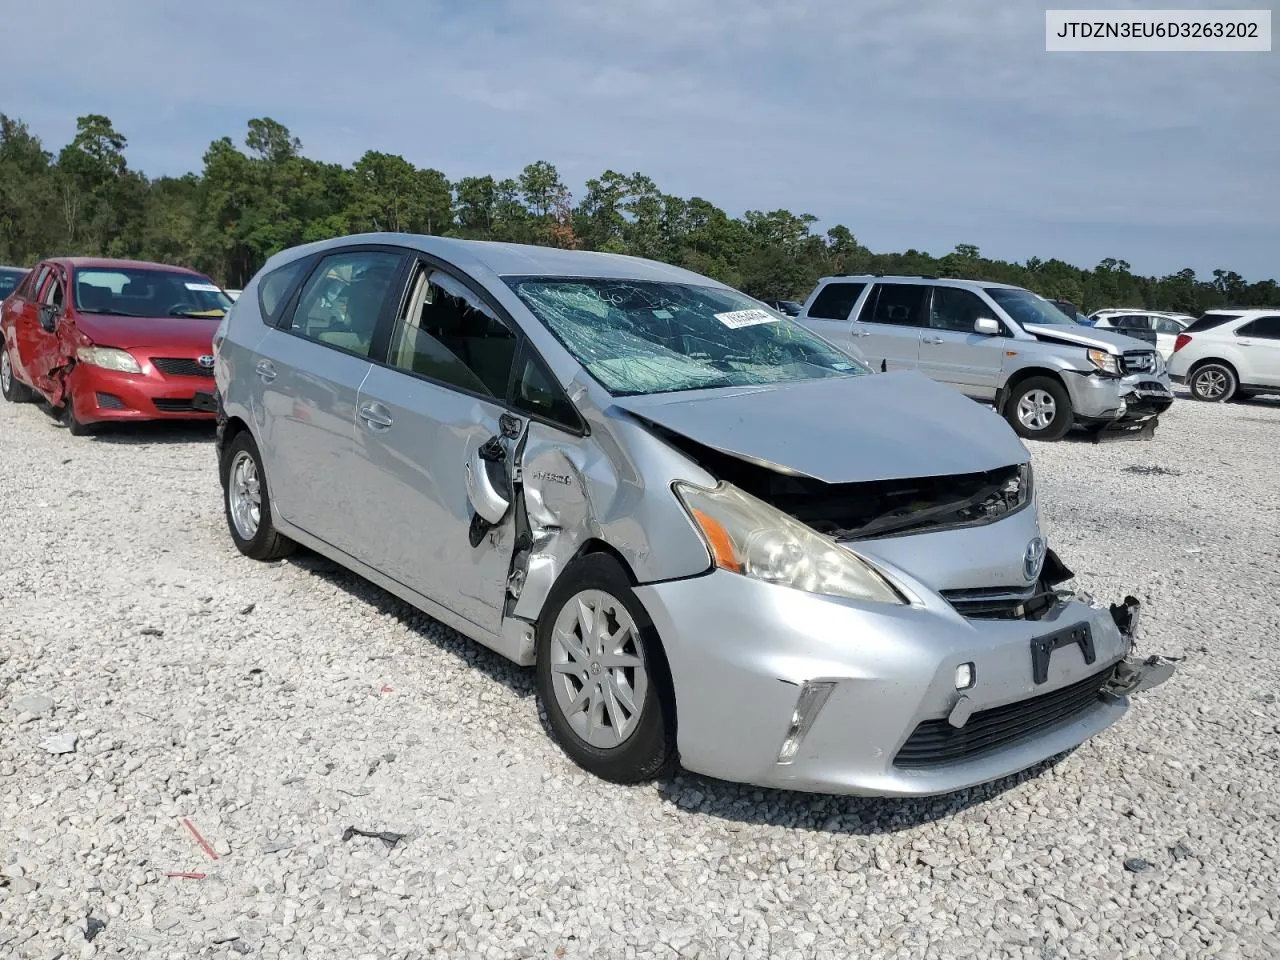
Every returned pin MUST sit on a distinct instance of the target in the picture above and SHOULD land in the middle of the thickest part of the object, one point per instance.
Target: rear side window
(1208, 321)
(275, 287)
(897, 304)
(343, 299)
(835, 301)
(1131, 322)
(1266, 327)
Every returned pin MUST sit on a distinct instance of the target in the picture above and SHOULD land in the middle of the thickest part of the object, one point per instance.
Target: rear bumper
(103, 396)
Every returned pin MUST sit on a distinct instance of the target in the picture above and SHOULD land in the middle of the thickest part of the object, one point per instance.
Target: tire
(1213, 382)
(628, 746)
(242, 479)
(75, 426)
(14, 391)
(1039, 409)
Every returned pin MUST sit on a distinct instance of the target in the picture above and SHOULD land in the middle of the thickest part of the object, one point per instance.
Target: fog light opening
(966, 676)
(813, 697)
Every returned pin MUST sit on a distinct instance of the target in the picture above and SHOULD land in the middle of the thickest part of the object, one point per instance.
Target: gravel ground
(151, 678)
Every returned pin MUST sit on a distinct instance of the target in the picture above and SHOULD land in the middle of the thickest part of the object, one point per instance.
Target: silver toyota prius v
(719, 540)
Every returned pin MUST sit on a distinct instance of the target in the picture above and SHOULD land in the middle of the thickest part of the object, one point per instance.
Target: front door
(307, 376)
(952, 352)
(41, 349)
(888, 328)
(421, 420)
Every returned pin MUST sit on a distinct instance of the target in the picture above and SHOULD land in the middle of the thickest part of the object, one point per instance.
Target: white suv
(1229, 353)
(1154, 326)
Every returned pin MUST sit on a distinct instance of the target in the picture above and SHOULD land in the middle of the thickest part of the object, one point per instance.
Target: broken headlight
(747, 536)
(109, 358)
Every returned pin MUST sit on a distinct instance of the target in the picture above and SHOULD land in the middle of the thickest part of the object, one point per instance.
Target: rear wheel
(1039, 409)
(247, 503)
(14, 391)
(1213, 382)
(602, 675)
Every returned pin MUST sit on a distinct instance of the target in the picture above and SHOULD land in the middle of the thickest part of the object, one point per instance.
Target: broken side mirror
(48, 317)
(487, 499)
(986, 326)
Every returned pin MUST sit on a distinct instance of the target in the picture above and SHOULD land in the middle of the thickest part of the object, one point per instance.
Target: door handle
(932, 340)
(860, 333)
(376, 416)
(266, 370)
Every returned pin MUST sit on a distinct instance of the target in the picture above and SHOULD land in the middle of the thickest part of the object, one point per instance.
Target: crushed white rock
(262, 702)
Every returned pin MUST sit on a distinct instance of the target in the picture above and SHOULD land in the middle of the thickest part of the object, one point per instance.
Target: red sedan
(110, 340)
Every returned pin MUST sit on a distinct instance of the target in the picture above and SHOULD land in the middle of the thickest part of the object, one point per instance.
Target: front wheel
(247, 503)
(75, 426)
(602, 675)
(1039, 409)
(13, 389)
(1213, 383)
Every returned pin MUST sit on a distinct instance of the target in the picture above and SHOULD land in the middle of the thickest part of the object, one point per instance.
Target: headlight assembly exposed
(747, 536)
(1106, 362)
(109, 358)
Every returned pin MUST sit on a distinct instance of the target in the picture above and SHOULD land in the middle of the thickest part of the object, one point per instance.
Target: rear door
(1259, 342)
(459, 378)
(307, 374)
(890, 324)
(21, 321)
(952, 352)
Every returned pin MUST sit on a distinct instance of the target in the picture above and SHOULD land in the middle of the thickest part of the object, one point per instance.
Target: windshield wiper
(106, 311)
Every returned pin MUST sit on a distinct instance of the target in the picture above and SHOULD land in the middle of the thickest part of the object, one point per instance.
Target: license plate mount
(1079, 634)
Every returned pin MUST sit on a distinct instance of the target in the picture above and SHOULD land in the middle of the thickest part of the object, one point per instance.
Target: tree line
(248, 203)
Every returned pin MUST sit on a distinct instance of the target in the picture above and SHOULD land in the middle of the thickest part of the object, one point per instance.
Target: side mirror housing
(986, 326)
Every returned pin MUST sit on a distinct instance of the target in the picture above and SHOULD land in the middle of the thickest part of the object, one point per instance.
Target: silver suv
(684, 509)
(996, 343)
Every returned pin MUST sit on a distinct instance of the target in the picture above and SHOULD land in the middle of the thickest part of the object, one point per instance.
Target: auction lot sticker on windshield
(745, 318)
(203, 287)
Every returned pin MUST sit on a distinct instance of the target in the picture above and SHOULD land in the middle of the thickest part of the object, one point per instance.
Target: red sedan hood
(178, 333)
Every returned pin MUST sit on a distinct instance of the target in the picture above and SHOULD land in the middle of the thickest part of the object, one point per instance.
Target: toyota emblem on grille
(206, 361)
(1033, 559)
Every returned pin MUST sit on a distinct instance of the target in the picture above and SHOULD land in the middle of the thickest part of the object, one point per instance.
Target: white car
(1229, 354)
(1140, 324)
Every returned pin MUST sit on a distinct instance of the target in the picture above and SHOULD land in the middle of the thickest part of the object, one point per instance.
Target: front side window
(343, 298)
(1025, 307)
(451, 335)
(145, 292)
(643, 337)
(835, 301)
(896, 304)
(1131, 322)
(957, 310)
(53, 295)
(1167, 325)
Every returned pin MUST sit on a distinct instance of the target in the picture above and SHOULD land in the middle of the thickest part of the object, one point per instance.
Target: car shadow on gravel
(142, 432)
(515, 678)
(857, 816)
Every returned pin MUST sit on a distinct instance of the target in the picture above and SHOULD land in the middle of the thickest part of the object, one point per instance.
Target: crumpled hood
(1087, 337)
(176, 333)
(842, 430)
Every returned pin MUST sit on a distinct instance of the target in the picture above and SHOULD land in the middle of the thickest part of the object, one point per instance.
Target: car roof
(1244, 311)
(918, 278)
(514, 259)
(109, 263)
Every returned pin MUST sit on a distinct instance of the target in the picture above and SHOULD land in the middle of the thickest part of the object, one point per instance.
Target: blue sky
(917, 125)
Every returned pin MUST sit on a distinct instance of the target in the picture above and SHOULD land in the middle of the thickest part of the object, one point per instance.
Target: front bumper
(1099, 400)
(101, 396)
(741, 650)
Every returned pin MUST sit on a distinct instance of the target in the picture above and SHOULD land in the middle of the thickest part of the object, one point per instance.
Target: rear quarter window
(835, 301)
(275, 288)
(1208, 321)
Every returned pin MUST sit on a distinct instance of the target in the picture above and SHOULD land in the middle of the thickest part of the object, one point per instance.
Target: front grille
(180, 367)
(173, 406)
(108, 401)
(991, 603)
(936, 742)
(1139, 361)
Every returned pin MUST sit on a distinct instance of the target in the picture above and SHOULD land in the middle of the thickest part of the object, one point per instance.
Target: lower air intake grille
(936, 742)
(173, 406)
(108, 401)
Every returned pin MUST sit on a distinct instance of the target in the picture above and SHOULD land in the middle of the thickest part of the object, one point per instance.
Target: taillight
(1182, 341)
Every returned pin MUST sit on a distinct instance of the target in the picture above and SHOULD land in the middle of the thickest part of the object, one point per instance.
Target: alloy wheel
(1037, 409)
(244, 495)
(1211, 384)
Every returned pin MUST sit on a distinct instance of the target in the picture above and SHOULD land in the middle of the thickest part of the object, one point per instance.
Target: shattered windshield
(641, 336)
